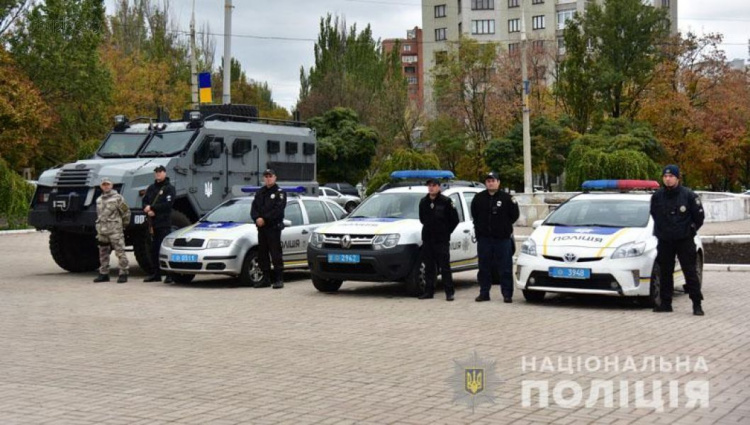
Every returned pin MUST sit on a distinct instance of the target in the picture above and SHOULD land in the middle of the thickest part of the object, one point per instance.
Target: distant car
(597, 243)
(747, 192)
(225, 240)
(347, 201)
(345, 188)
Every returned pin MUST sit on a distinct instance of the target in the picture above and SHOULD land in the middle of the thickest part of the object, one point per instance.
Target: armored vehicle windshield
(168, 143)
(119, 145)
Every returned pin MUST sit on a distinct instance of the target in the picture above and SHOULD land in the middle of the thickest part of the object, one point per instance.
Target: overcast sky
(273, 38)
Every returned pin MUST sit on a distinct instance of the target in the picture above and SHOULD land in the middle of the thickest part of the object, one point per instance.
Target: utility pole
(227, 96)
(527, 183)
(193, 60)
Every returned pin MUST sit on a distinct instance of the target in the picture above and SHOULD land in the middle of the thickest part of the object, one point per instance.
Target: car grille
(192, 243)
(357, 241)
(185, 266)
(579, 260)
(601, 281)
(73, 177)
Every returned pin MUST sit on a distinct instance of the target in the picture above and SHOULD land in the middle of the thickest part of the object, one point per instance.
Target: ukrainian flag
(204, 87)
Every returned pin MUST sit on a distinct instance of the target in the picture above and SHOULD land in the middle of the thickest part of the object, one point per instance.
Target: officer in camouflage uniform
(113, 215)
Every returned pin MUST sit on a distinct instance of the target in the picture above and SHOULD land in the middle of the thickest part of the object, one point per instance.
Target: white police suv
(380, 240)
(598, 242)
(225, 241)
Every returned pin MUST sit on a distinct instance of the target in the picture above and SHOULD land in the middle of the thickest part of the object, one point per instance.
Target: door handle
(304, 232)
(467, 231)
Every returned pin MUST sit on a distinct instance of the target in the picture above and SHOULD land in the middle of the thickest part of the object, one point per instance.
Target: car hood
(214, 230)
(370, 226)
(587, 241)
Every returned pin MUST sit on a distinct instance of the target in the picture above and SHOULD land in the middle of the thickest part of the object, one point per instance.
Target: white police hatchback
(225, 241)
(598, 243)
(380, 241)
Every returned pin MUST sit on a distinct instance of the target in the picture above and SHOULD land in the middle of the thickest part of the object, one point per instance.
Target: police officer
(268, 213)
(157, 204)
(112, 217)
(494, 213)
(439, 219)
(678, 214)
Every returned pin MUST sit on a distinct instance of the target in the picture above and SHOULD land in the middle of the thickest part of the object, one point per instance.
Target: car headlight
(316, 240)
(219, 243)
(630, 249)
(168, 242)
(385, 241)
(529, 247)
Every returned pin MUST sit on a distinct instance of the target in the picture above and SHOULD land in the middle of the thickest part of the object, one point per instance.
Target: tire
(653, 288)
(326, 285)
(534, 296)
(416, 282)
(142, 241)
(74, 252)
(251, 272)
(350, 206)
(182, 278)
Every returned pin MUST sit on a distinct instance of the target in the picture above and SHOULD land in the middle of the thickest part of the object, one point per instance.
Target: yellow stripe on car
(611, 241)
(546, 238)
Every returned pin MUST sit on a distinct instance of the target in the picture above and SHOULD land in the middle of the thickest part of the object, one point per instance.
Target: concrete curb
(726, 267)
(17, 232)
(731, 239)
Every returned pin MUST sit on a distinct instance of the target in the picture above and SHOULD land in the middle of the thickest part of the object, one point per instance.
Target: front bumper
(388, 265)
(621, 277)
(209, 261)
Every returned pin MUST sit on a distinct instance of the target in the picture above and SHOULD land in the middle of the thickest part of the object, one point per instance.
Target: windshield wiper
(110, 155)
(600, 225)
(153, 153)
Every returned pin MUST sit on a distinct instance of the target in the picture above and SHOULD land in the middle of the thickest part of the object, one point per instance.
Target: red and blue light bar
(620, 185)
(288, 189)
(422, 174)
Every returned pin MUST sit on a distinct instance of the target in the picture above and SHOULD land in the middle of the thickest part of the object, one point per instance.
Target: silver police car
(225, 241)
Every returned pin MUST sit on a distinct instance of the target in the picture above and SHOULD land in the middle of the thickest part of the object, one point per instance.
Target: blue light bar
(422, 174)
(620, 185)
(288, 189)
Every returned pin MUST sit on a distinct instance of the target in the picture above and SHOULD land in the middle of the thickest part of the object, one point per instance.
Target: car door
(460, 246)
(293, 235)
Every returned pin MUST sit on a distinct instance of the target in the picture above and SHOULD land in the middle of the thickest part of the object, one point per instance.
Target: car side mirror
(536, 224)
(287, 223)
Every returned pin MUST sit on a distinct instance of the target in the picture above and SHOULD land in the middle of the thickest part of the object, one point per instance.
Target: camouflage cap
(105, 180)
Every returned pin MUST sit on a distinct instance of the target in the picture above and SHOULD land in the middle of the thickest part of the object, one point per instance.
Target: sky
(272, 39)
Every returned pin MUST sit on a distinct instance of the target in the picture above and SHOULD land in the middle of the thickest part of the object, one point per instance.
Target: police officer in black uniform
(157, 204)
(268, 213)
(439, 219)
(494, 213)
(678, 214)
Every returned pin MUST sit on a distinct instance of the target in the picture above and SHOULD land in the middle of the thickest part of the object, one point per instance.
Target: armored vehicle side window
(170, 143)
(293, 212)
(291, 148)
(273, 146)
(315, 212)
(241, 146)
(210, 148)
(457, 203)
(121, 144)
(308, 148)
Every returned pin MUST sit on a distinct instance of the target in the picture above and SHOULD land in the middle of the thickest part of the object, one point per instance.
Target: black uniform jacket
(161, 197)
(439, 218)
(269, 204)
(494, 215)
(677, 213)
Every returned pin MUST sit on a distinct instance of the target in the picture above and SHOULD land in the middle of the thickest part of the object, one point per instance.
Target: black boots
(665, 308)
(102, 278)
(122, 278)
(697, 308)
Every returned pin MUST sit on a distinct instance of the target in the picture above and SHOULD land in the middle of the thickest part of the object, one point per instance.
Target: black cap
(432, 181)
(491, 175)
(672, 169)
(160, 168)
(269, 172)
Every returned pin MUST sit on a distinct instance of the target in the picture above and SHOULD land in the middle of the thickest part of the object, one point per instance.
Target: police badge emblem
(273, 196)
(474, 381)
(682, 208)
(432, 205)
(499, 203)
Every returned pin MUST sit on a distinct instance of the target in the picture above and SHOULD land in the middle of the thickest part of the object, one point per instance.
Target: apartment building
(412, 62)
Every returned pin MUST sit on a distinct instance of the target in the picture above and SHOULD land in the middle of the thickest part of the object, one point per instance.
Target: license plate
(569, 273)
(184, 258)
(343, 258)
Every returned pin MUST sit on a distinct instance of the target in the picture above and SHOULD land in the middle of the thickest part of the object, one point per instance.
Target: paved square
(75, 352)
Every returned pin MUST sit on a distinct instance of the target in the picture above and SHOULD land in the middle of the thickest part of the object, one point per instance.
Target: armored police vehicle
(209, 155)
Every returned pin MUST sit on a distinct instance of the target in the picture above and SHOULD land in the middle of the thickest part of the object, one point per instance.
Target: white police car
(381, 239)
(596, 243)
(225, 240)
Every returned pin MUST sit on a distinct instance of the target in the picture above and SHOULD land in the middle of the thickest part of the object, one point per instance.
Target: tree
(10, 11)
(345, 147)
(57, 46)
(575, 78)
(401, 159)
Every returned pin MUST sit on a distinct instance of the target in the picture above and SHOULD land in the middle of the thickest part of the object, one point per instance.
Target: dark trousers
(269, 243)
(684, 249)
(156, 239)
(436, 255)
(495, 256)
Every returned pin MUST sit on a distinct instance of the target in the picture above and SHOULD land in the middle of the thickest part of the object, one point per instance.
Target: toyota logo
(570, 257)
(346, 241)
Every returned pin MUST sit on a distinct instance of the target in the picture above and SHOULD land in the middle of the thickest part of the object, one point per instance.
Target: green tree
(345, 147)
(57, 46)
(401, 159)
(10, 11)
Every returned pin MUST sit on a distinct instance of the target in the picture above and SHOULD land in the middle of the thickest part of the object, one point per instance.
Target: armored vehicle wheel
(251, 273)
(182, 278)
(142, 241)
(326, 285)
(74, 252)
(415, 282)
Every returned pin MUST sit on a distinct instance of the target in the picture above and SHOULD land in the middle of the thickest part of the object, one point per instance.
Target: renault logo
(570, 257)
(346, 241)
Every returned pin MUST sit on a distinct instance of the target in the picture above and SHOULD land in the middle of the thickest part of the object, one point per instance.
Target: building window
(537, 22)
(665, 3)
(440, 11)
(460, 28)
(537, 1)
(513, 48)
(514, 25)
(482, 4)
(409, 59)
(512, 3)
(440, 34)
(563, 17)
(484, 26)
(537, 45)
(411, 80)
(410, 69)
(407, 47)
(560, 45)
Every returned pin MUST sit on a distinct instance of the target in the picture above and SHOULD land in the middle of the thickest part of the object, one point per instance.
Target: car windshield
(390, 205)
(235, 211)
(601, 212)
(165, 144)
(120, 145)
